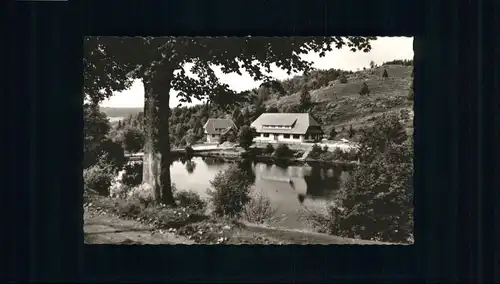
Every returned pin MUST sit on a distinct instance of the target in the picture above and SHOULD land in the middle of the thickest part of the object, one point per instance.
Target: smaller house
(217, 128)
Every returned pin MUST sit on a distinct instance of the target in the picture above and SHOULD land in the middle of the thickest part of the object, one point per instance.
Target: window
(266, 134)
(286, 136)
(296, 136)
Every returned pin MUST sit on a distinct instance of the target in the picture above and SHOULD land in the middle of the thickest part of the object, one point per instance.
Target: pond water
(289, 188)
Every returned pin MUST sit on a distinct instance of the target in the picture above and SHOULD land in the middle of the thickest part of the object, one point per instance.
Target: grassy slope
(341, 105)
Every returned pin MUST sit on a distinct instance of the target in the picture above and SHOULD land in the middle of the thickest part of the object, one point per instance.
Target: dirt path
(105, 228)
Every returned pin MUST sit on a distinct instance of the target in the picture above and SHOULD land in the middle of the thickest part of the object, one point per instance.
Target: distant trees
(343, 78)
(272, 109)
(97, 145)
(372, 64)
(364, 89)
(404, 62)
(237, 117)
(191, 137)
(333, 133)
(263, 93)
(245, 136)
(132, 139)
(351, 132)
(305, 99)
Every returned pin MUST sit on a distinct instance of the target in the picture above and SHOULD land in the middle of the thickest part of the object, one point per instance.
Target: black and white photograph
(248, 140)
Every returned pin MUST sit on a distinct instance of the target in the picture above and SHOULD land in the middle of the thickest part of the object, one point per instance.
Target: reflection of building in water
(313, 182)
(321, 182)
(295, 171)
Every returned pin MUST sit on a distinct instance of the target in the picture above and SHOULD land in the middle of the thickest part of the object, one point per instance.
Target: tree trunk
(156, 160)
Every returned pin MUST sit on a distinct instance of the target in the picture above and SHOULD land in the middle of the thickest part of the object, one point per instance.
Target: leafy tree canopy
(112, 62)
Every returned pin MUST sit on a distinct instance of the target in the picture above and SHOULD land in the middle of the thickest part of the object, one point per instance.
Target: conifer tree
(385, 75)
(364, 89)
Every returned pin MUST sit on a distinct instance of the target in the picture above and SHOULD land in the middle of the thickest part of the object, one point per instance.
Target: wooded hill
(334, 98)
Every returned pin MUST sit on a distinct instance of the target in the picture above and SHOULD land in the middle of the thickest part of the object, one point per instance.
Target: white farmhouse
(287, 128)
(216, 128)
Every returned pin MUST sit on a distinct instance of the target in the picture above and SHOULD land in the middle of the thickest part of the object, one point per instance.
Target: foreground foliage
(132, 175)
(160, 64)
(377, 201)
(98, 177)
(259, 209)
(230, 192)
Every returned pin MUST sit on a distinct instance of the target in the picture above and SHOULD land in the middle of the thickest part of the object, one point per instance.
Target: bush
(321, 221)
(376, 202)
(230, 192)
(342, 78)
(316, 151)
(190, 199)
(132, 175)
(364, 89)
(132, 139)
(351, 132)
(245, 136)
(333, 134)
(259, 210)
(189, 151)
(269, 149)
(98, 178)
(113, 153)
(282, 151)
(338, 154)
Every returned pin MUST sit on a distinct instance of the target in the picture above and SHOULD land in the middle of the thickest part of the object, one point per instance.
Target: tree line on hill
(186, 123)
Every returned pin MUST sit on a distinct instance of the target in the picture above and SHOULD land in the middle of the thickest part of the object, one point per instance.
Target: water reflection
(247, 167)
(190, 166)
(289, 188)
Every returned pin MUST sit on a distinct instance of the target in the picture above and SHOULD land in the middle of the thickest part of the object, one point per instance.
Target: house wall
(312, 136)
(213, 138)
(279, 138)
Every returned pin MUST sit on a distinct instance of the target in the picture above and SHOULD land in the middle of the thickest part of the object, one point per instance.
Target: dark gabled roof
(218, 123)
(300, 123)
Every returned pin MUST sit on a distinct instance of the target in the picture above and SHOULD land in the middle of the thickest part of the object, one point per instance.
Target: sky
(383, 49)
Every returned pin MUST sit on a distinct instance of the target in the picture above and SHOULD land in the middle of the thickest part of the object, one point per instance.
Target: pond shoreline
(234, 156)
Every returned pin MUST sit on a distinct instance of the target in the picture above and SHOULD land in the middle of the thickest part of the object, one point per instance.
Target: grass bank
(132, 221)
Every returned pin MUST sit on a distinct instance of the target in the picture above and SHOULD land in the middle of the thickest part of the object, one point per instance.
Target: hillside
(334, 104)
(340, 105)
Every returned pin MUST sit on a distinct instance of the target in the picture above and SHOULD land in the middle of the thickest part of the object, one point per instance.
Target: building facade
(217, 128)
(287, 128)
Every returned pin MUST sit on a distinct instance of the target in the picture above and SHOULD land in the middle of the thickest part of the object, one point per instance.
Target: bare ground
(102, 226)
(105, 228)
